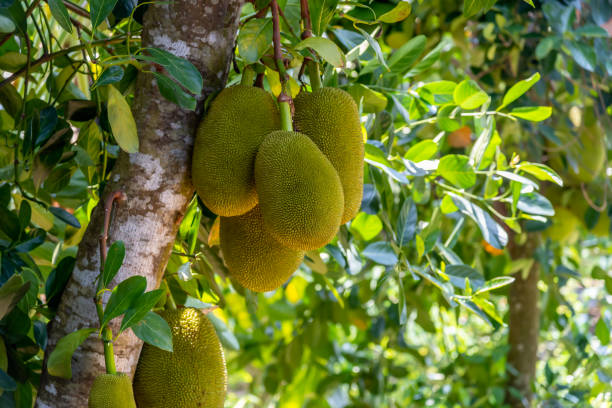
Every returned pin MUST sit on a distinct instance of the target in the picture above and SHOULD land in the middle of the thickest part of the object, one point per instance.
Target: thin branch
(49, 57)
(120, 197)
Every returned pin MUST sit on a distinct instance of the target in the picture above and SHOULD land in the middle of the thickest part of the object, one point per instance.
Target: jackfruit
(300, 194)
(193, 376)
(255, 259)
(329, 116)
(225, 148)
(111, 391)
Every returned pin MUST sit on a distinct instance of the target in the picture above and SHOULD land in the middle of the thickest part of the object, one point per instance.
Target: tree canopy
(488, 127)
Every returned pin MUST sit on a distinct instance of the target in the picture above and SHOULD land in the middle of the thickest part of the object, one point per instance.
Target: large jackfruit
(193, 376)
(225, 148)
(329, 116)
(111, 391)
(255, 259)
(300, 194)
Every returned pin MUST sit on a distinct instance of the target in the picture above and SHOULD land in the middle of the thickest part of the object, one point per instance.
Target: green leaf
(6, 382)
(472, 7)
(121, 120)
(458, 273)
(154, 330)
(583, 54)
(530, 2)
(532, 113)
(468, 95)
(406, 223)
(536, 204)
(447, 205)
(495, 283)
(402, 59)
(515, 177)
(368, 226)
(123, 296)
(99, 10)
(375, 46)
(65, 216)
(6, 25)
(11, 292)
(145, 303)
(375, 157)
(369, 100)
(398, 13)
(60, 13)
(491, 231)
(541, 171)
(114, 259)
(429, 59)
(225, 335)
(254, 39)
(602, 331)
(381, 253)
(325, 48)
(60, 358)
(518, 89)
(182, 70)
(545, 47)
(174, 93)
(424, 150)
(591, 30)
(321, 13)
(457, 170)
(110, 75)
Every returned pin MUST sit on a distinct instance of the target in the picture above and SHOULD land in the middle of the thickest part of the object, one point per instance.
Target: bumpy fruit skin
(329, 116)
(225, 148)
(193, 376)
(255, 259)
(111, 391)
(300, 194)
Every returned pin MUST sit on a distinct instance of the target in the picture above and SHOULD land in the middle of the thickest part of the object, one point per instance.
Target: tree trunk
(524, 328)
(156, 181)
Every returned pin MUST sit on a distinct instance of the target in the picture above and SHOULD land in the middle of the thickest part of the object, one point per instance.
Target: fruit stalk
(284, 100)
(107, 333)
(248, 76)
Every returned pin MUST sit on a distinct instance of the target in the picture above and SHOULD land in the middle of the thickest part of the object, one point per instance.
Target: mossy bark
(156, 181)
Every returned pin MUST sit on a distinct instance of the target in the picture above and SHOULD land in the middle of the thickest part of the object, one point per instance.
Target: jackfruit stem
(313, 74)
(285, 113)
(278, 55)
(170, 301)
(248, 76)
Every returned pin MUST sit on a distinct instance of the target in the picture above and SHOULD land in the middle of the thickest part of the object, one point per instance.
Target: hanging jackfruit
(329, 116)
(111, 391)
(193, 376)
(225, 147)
(255, 259)
(300, 194)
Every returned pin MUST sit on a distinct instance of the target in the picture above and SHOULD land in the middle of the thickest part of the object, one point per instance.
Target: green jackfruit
(300, 194)
(255, 259)
(193, 376)
(330, 118)
(225, 148)
(111, 391)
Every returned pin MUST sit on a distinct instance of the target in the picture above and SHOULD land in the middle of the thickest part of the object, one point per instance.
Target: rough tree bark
(156, 181)
(524, 327)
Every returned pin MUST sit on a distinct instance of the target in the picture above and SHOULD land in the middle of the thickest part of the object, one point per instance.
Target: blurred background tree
(478, 272)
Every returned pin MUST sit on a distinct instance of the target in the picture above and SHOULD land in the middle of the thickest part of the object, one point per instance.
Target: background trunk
(156, 181)
(524, 326)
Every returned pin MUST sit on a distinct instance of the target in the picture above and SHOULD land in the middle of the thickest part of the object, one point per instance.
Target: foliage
(406, 307)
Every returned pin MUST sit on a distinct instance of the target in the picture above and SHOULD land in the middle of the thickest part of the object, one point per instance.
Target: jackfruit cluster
(279, 193)
(193, 375)
(111, 391)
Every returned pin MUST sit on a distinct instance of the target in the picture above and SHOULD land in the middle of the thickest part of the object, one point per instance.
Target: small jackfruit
(329, 116)
(111, 391)
(225, 148)
(193, 376)
(255, 259)
(300, 194)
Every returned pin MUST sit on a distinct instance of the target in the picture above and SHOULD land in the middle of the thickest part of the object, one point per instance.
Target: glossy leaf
(325, 48)
(114, 259)
(123, 296)
(469, 95)
(121, 120)
(99, 10)
(154, 330)
(517, 90)
(60, 13)
(532, 113)
(59, 363)
(457, 170)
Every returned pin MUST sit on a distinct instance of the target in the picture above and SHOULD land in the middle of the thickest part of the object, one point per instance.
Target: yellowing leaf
(121, 121)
